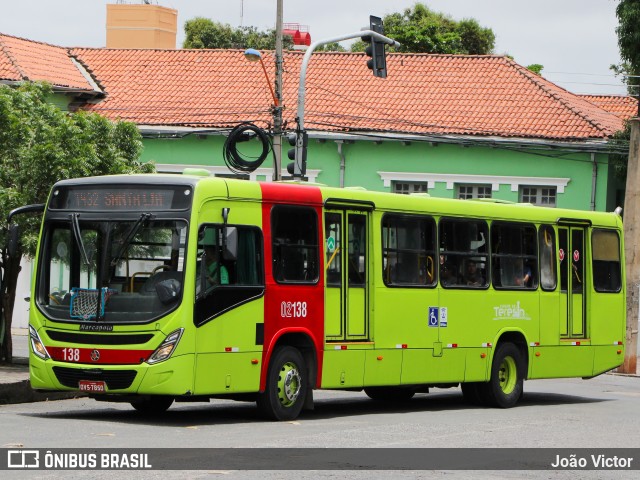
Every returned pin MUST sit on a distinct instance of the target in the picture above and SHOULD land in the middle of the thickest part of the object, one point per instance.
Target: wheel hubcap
(508, 375)
(289, 383)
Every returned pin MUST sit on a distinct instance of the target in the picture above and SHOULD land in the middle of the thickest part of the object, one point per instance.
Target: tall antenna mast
(241, 11)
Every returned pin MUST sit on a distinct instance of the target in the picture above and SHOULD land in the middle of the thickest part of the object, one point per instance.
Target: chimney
(141, 26)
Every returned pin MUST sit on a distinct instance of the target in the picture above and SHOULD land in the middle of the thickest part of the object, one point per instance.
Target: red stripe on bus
(98, 356)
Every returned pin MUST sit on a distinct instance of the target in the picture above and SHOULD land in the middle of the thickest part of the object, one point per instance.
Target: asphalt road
(600, 413)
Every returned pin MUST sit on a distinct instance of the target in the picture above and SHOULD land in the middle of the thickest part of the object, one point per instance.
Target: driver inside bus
(215, 272)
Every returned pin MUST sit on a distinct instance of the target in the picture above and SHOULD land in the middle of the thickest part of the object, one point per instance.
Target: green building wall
(365, 160)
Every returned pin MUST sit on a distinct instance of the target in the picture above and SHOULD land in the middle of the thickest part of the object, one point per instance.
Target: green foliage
(628, 13)
(619, 142)
(535, 68)
(205, 33)
(40, 144)
(331, 47)
(421, 30)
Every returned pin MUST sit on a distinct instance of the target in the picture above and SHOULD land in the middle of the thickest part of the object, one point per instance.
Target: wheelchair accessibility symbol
(433, 316)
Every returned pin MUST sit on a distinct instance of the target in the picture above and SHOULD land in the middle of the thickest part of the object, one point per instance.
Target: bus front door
(346, 307)
(572, 287)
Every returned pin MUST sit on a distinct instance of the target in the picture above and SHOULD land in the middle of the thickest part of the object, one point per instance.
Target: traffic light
(375, 49)
(298, 140)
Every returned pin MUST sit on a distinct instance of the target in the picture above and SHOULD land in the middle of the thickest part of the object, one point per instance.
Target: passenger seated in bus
(448, 274)
(523, 277)
(472, 275)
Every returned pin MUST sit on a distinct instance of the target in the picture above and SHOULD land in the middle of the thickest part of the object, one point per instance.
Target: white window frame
(540, 193)
(474, 191)
(495, 181)
(412, 187)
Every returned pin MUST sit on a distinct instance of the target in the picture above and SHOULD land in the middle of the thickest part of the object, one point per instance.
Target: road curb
(21, 392)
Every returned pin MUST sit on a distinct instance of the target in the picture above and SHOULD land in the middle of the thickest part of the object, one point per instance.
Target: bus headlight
(167, 347)
(36, 345)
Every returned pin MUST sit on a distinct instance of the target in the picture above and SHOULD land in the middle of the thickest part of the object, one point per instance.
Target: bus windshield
(111, 271)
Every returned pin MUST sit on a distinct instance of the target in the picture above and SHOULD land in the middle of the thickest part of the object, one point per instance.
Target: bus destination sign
(136, 198)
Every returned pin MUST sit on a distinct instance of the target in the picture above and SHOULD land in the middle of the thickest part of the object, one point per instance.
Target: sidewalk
(14, 378)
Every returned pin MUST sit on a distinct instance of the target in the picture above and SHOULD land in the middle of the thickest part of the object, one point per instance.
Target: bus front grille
(115, 379)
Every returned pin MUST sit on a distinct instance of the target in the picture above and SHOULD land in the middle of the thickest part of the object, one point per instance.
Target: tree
(39, 145)
(628, 13)
(331, 47)
(628, 30)
(421, 30)
(205, 33)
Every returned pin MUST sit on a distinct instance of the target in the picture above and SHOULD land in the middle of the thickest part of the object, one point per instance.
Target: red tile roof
(620, 105)
(26, 60)
(423, 94)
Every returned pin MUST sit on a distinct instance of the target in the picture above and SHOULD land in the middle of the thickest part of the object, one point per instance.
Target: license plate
(91, 386)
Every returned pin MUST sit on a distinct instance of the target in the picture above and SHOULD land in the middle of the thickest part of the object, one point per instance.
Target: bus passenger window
(463, 253)
(408, 250)
(295, 244)
(606, 261)
(513, 255)
(547, 242)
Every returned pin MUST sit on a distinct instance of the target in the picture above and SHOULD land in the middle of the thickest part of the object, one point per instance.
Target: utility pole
(632, 254)
(277, 109)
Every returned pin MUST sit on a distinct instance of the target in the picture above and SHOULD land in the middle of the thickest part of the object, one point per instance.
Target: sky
(574, 40)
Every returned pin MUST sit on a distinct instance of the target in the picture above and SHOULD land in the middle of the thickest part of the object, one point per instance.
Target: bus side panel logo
(433, 316)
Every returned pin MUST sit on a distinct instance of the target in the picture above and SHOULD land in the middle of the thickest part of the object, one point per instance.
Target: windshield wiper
(75, 227)
(132, 233)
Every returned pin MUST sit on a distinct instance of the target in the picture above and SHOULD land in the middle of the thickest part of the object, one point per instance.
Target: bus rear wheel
(505, 386)
(286, 387)
(152, 405)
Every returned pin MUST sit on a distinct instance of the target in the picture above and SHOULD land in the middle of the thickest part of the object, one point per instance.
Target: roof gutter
(598, 145)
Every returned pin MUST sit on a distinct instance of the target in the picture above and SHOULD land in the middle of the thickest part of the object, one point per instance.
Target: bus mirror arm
(229, 238)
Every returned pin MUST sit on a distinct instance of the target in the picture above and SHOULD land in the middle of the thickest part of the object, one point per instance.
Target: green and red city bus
(323, 288)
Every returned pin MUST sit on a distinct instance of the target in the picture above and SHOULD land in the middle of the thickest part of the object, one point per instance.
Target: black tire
(505, 386)
(390, 394)
(473, 393)
(286, 388)
(153, 405)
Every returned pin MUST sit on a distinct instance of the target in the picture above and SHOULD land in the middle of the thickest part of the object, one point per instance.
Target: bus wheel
(504, 388)
(286, 389)
(472, 393)
(153, 405)
(389, 394)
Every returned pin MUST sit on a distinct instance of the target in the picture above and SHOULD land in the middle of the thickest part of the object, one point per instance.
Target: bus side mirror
(230, 251)
(14, 236)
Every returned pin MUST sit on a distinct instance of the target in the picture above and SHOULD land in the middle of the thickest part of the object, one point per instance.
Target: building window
(543, 196)
(466, 192)
(406, 188)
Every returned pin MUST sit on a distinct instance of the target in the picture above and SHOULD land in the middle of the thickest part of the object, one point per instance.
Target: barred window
(406, 188)
(466, 192)
(543, 196)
